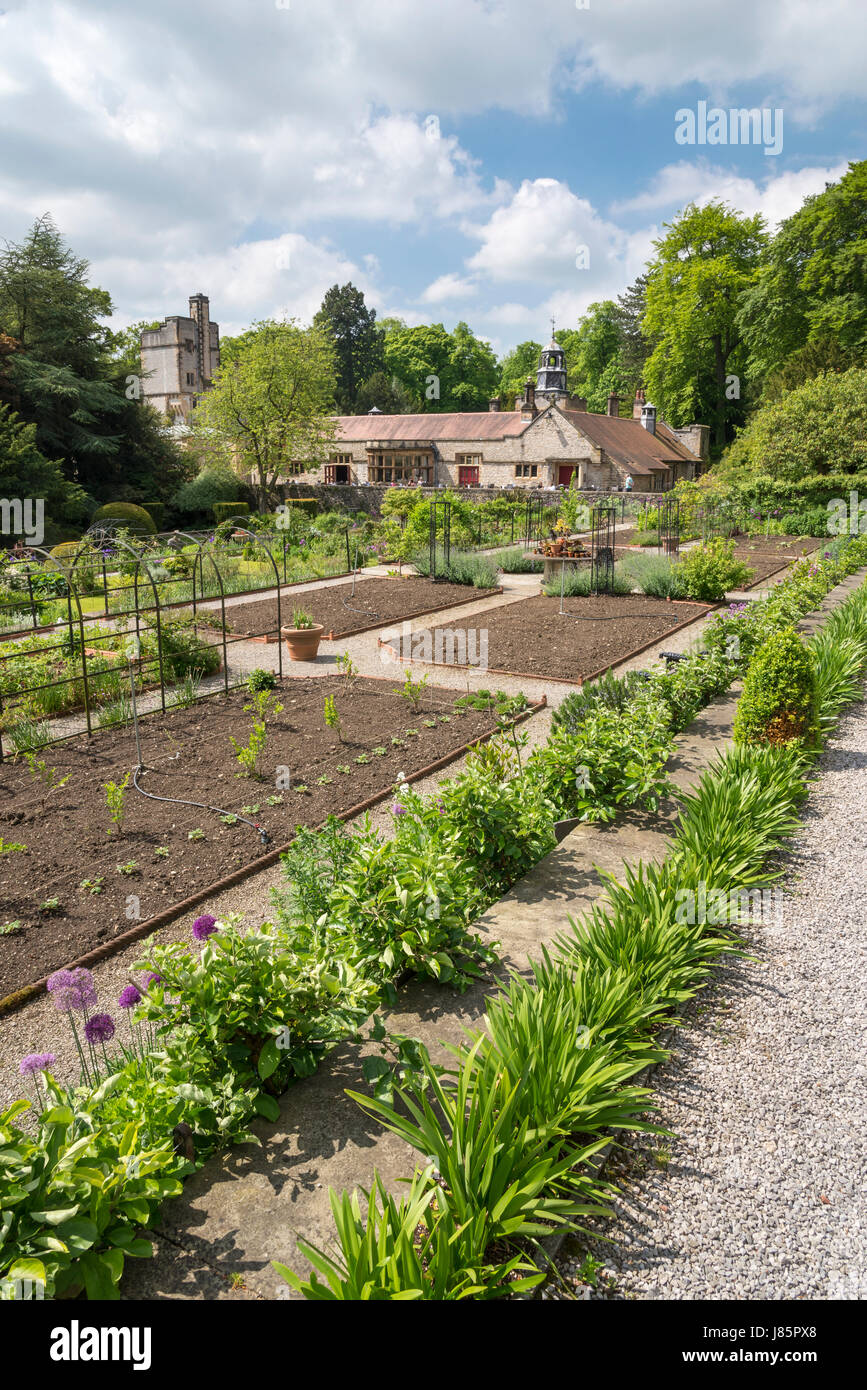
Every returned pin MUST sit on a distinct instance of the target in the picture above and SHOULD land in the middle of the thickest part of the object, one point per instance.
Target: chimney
(613, 404)
(638, 405)
(528, 409)
(577, 403)
(494, 403)
(648, 417)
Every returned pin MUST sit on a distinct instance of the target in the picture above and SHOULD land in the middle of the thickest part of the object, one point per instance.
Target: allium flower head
(129, 997)
(99, 1028)
(397, 809)
(72, 989)
(152, 978)
(204, 926)
(36, 1061)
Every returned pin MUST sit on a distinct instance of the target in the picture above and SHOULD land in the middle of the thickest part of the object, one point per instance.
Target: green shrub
(655, 575)
(463, 567)
(515, 560)
(125, 514)
(260, 679)
(709, 570)
(577, 583)
(212, 484)
(779, 697)
(226, 511)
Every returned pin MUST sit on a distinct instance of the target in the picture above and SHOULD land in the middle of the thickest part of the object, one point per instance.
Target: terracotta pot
(303, 642)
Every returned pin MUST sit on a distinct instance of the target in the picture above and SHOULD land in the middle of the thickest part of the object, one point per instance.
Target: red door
(468, 475)
(564, 474)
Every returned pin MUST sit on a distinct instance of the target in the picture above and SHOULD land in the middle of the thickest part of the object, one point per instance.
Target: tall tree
(442, 371)
(64, 371)
(808, 305)
(270, 403)
(27, 473)
(696, 285)
(515, 368)
(356, 338)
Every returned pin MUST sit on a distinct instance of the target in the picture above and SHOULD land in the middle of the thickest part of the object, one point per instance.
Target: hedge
(126, 514)
(225, 511)
(157, 512)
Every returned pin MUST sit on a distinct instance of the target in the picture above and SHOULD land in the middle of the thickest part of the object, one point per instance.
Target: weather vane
(552, 325)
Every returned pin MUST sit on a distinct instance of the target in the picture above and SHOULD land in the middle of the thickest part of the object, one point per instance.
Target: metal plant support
(669, 526)
(440, 505)
(602, 533)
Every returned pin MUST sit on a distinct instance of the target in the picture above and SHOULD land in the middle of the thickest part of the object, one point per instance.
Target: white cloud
(777, 197)
(447, 288)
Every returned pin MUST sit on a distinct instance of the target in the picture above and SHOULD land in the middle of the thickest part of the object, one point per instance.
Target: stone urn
(303, 642)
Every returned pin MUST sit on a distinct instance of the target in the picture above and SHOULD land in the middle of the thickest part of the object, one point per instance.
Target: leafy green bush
(515, 560)
(577, 583)
(778, 704)
(463, 567)
(212, 484)
(655, 575)
(709, 570)
(127, 514)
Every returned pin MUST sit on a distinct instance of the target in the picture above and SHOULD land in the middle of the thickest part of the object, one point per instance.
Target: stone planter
(303, 642)
(554, 565)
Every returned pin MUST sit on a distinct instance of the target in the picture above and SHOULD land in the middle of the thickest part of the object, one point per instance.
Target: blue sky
(448, 158)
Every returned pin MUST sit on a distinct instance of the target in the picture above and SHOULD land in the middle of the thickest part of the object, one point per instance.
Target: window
(191, 378)
(189, 345)
(469, 467)
(526, 470)
(405, 468)
(292, 470)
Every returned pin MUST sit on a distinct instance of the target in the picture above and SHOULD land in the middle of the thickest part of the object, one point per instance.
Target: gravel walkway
(760, 1194)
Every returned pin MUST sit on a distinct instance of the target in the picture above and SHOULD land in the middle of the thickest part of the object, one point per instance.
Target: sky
(485, 160)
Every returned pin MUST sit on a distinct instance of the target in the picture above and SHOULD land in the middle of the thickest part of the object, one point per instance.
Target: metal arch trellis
(603, 522)
(259, 540)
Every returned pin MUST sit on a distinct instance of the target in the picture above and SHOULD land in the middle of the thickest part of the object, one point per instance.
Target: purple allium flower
(204, 926)
(441, 808)
(36, 1061)
(72, 989)
(99, 1028)
(129, 997)
(152, 979)
(397, 809)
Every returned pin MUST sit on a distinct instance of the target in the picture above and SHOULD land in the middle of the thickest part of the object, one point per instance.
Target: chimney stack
(577, 403)
(613, 404)
(494, 403)
(648, 417)
(528, 409)
(638, 404)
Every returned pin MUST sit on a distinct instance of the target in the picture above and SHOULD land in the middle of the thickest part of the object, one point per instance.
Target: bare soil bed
(531, 637)
(188, 755)
(340, 611)
(787, 547)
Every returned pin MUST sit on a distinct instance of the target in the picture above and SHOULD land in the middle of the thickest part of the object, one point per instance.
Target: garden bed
(375, 603)
(189, 756)
(532, 638)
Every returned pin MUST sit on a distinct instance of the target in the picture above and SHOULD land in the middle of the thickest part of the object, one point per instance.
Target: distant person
(628, 483)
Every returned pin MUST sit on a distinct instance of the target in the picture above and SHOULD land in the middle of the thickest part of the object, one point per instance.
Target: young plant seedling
(197, 834)
(262, 708)
(94, 884)
(41, 772)
(161, 852)
(331, 716)
(9, 928)
(413, 691)
(347, 668)
(115, 800)
(128, 869)
(6, 847)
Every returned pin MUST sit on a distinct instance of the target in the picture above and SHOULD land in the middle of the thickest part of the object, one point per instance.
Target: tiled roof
(627, 441)
(422, 429)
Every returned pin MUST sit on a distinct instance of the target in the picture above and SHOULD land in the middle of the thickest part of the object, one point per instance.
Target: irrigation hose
(200, 805)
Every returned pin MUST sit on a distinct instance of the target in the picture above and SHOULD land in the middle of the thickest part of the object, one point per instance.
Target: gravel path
(760, 1194)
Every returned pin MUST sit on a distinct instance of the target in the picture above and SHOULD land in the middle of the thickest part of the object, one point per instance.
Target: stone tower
(179, 360)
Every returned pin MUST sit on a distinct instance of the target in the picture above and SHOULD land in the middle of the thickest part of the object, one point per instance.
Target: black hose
(200, 805)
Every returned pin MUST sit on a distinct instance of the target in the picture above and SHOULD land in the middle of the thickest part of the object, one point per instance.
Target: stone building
(545, 441)
(179, 360)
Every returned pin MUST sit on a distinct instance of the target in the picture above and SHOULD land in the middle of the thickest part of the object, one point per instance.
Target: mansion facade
(547, 439)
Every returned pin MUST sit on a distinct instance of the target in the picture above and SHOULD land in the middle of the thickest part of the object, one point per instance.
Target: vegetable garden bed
(530, 637)
(375, 603)
(75, 887)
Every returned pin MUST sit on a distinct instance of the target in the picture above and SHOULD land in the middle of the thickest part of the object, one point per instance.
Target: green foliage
(515, 560)
(74, 1193)
(26, 472)
(263, 707)
(136, 519)
(358, 344)
(260, 679)
(779, 696)
(655, 575)
(707, 571)
(479, 571)
(224, 511)
(442, 371)
(301, 619)
(817, 428)
(212, 485)
(413, 691)
(704, 265)
(331, 716)
(270, 403)
(115, 800)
